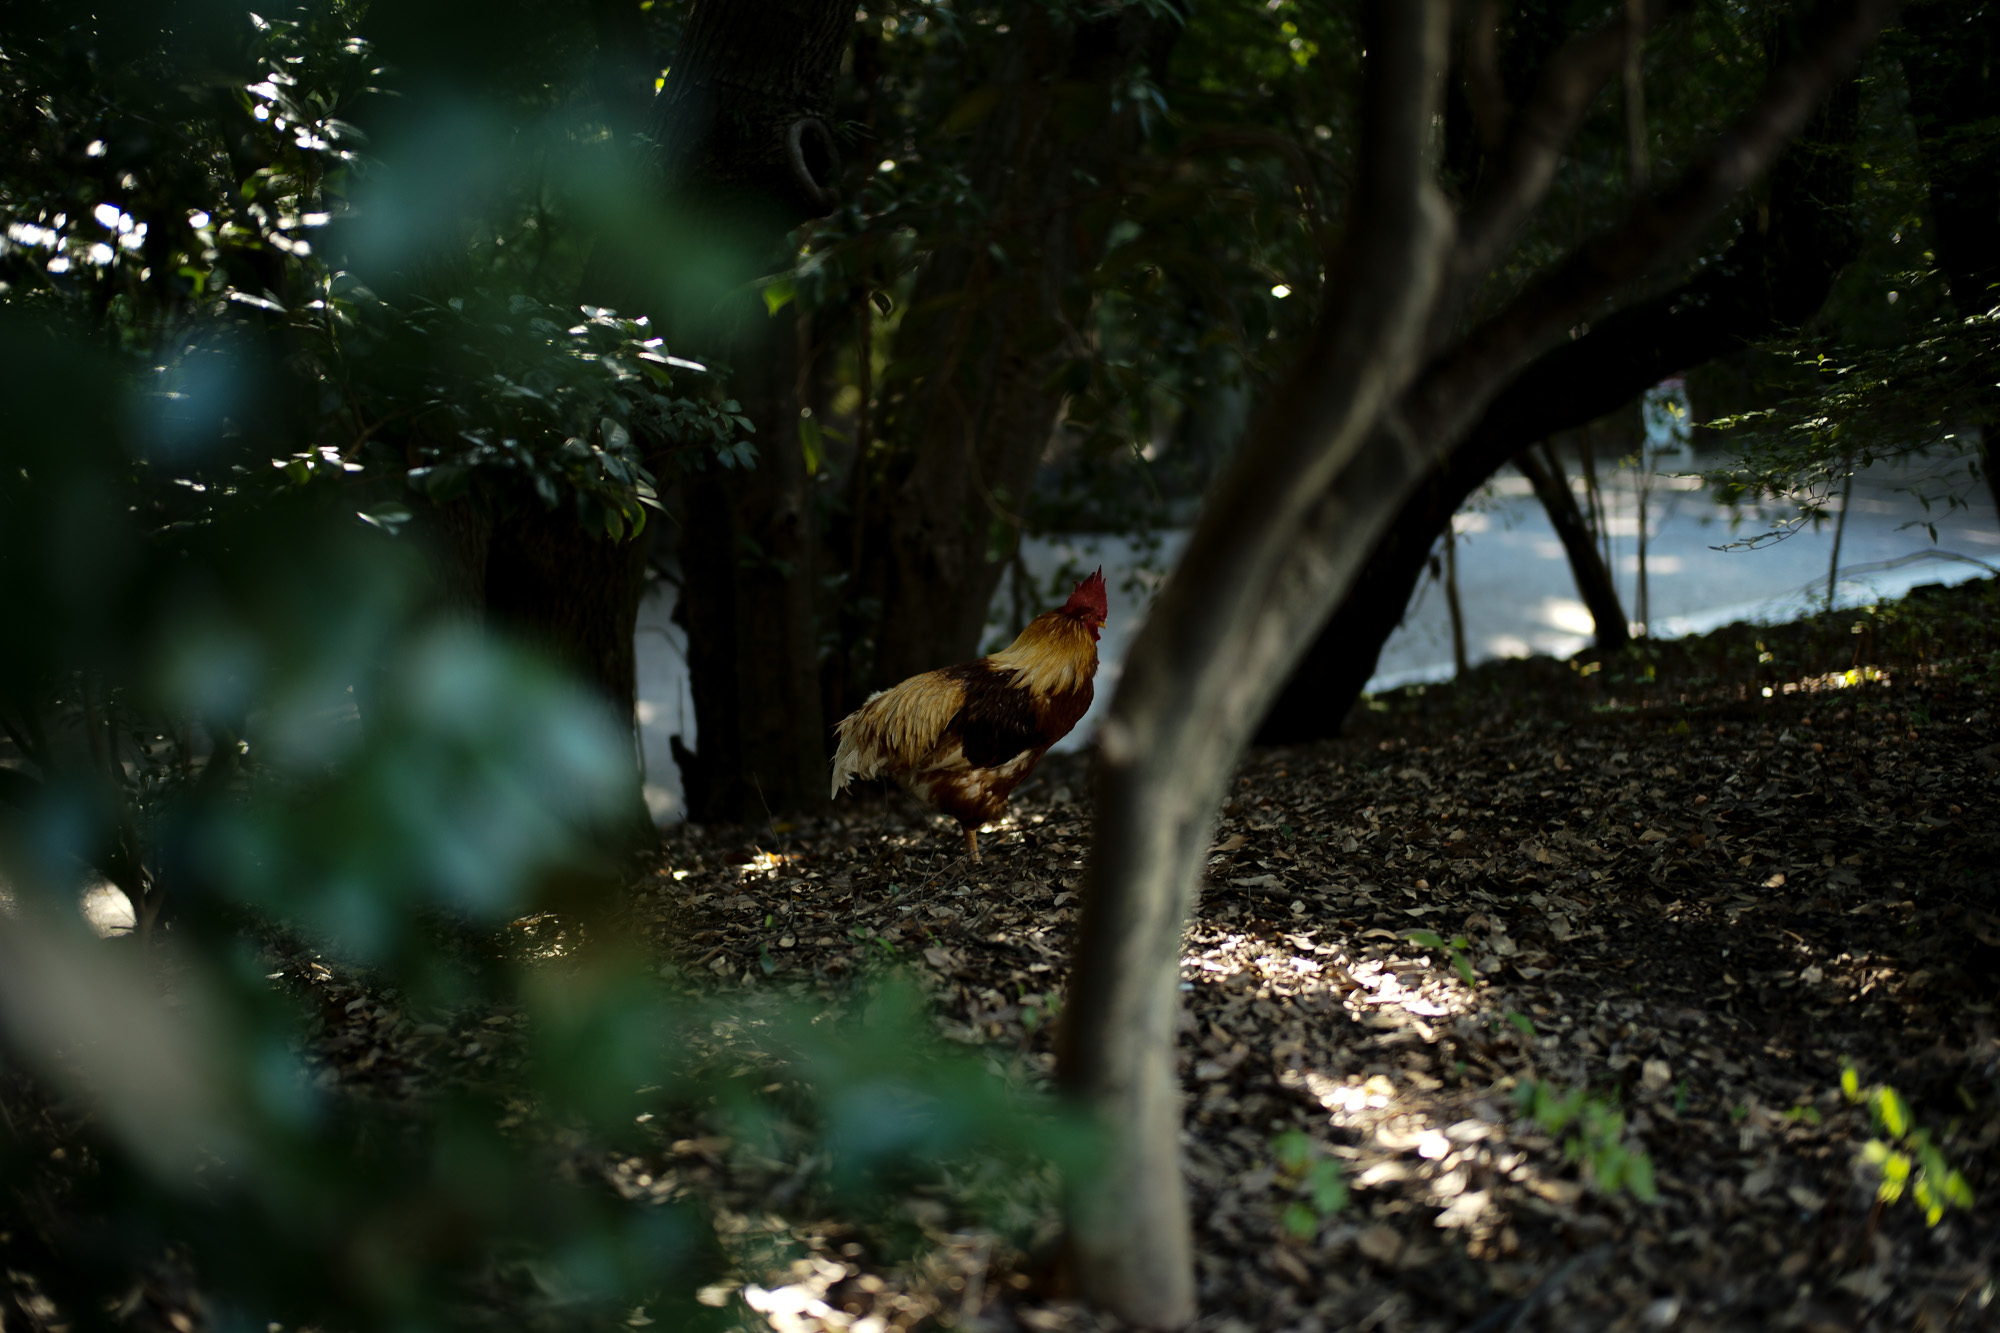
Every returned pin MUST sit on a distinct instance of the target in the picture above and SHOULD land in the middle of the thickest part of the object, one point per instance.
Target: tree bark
(1586, 565)
(968, 434)
(1289, 525)
(747, 560)
(745, 156)
(1267, 549)
(1776, 274)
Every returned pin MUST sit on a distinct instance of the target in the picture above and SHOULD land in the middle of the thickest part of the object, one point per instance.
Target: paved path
(1514, 585)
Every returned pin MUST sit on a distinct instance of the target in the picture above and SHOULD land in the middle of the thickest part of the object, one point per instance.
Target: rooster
(962, 737)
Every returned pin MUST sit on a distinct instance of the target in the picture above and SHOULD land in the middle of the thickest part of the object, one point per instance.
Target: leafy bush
(1592, 1132)
(1908, 1158)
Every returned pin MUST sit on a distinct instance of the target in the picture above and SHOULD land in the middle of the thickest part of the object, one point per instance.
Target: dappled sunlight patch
(1835, 680)
(1567, 614)
(763, 862)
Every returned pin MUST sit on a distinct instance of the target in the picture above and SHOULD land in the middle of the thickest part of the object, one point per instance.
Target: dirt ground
(1692, 887)
(1528, 1004)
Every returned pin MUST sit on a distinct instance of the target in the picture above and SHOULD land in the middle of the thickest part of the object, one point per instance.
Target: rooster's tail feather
(846, 763)
(896, 729)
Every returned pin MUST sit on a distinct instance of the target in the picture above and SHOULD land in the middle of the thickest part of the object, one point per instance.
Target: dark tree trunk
(747, 605)
(1775, 275)
(968, 434)
(1579, 543)
(1954, 85)
(745, 156)
(571, 595)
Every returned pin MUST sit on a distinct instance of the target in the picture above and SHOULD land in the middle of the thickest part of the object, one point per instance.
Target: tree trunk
(745, 156)
(968, 434)
(1770, 278)
(1289, 525)
(747, 558)
(1270, 547)
(1593, 578)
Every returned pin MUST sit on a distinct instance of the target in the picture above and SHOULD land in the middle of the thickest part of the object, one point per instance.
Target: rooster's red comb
(1089, 597)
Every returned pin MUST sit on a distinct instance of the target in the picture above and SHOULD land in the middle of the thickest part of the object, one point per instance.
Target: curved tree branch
(1768, 279)
(1459, 384)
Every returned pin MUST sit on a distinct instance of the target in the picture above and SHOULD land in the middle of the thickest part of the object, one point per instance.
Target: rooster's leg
(972, 844)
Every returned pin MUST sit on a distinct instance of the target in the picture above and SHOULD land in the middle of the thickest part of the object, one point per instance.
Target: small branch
(1636, 170)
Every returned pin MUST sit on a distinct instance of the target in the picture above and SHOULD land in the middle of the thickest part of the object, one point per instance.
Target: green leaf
(388, 516)
(811, 444)
(1927, 1199)
(1895, 1176)
(1328, 1181)
(778, 293)
(1850, 1084)
(1639, 1179)
(1426, 939)
(1895, 1115)
(1293, 1151)
(1300, 1222)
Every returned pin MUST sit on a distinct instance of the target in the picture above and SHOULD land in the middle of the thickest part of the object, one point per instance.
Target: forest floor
(1692, 888)
(1527, 1004)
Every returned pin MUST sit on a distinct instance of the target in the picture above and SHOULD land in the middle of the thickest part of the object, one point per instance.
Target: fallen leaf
(1380, 1243)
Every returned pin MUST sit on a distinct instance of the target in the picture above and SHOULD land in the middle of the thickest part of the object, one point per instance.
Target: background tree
(745, 155)
(1893, 372)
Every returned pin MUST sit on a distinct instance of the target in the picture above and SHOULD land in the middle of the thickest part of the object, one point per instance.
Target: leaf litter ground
(1694, 884)
(1697, 882)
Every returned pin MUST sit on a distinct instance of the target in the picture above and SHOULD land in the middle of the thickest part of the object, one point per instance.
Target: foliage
(1907, 1158)
(1455, 949)
(1319, 1182)
(247, 343)
(514, 403)
(1859, 406)
(1889, 369)
(460, 794)
(265, 227)
(1592, 1132)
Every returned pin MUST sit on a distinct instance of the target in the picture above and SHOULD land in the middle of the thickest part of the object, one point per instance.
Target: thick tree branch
(1457, 387)
(1485, 91)
(1768, 279)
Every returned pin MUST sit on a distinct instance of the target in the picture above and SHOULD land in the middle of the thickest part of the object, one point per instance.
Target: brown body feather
(963, 737)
